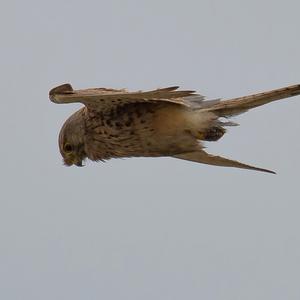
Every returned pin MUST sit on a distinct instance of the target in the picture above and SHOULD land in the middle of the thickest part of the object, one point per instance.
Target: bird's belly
(138, 131)
(125, 144)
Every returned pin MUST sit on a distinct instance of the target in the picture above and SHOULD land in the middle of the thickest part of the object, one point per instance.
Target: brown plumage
(162, 122)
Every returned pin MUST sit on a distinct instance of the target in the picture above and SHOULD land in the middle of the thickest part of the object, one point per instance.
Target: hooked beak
(79, 164)
(71, 161)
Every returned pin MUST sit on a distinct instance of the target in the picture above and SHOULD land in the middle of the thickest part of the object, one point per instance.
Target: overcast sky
(149, 228)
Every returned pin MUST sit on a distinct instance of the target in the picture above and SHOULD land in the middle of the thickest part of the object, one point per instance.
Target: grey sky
(149, 228)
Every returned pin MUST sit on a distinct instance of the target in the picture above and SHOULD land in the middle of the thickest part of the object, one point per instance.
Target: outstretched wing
(104, 99)
(209, 159)
(242, 104)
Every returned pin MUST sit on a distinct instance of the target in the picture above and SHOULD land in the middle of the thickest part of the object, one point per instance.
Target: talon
(213, 134)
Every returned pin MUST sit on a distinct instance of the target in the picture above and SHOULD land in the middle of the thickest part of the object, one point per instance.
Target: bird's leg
(213, 133)
(210, 134)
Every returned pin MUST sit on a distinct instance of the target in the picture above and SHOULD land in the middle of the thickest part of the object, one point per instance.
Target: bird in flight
(162, 122)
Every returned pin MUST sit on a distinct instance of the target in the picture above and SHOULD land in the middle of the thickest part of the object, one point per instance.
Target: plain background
(149, 228)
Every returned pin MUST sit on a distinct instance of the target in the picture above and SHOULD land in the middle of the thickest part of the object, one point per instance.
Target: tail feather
(239, 105)
(209, 159)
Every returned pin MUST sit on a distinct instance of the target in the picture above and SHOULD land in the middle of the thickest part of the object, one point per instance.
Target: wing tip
(269, 171)
(65, 88)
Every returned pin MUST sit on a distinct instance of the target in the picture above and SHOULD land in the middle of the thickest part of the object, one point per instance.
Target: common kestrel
(163, 122)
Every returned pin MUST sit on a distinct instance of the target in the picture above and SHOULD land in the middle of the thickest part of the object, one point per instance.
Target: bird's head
(71, 140)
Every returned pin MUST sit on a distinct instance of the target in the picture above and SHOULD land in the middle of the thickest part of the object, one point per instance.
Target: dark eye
(68, 148)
